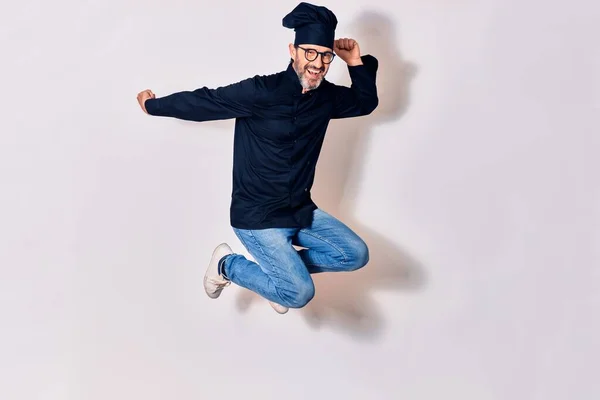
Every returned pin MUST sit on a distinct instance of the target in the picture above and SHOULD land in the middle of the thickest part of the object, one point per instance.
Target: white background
(475, 184)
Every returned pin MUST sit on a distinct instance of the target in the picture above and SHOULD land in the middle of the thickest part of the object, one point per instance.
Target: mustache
(322, 69)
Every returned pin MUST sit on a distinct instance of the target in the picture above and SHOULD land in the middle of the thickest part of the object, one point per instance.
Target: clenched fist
(347, 50)
(143, 96)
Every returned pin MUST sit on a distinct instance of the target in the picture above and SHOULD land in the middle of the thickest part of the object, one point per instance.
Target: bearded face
(310, 73)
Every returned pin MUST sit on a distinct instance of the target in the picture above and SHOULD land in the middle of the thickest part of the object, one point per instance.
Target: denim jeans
(281, 273)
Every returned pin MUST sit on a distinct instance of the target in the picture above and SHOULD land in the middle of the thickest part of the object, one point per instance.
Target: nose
(318, 61)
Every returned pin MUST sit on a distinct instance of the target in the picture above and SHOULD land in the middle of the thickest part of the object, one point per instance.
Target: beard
(308, 81)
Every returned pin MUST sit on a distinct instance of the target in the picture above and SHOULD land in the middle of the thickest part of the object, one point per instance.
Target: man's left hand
(347, 50)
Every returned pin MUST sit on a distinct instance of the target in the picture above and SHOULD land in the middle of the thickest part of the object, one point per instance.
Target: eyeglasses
(311, 55)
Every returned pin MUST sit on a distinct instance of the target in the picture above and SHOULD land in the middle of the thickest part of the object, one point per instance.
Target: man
(281, 120)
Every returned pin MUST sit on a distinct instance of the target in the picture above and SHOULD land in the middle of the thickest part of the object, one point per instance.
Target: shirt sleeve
(361, 98)
(204, 104)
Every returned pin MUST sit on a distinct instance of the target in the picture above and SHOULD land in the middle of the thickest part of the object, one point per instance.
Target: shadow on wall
(343, 301)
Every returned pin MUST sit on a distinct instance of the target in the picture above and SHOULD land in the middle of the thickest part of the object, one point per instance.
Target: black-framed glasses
(312, 54)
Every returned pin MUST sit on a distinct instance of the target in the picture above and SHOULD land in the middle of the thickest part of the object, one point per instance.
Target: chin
(306, 84)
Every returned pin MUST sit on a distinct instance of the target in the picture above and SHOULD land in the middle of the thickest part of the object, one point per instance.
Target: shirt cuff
(368, 68)
(370, 63)
(152, 106)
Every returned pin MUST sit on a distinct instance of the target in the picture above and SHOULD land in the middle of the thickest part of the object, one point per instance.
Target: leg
(279, 274)
(331, 246)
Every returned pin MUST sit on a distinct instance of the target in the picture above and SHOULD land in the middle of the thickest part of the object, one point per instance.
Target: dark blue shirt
(279, 132)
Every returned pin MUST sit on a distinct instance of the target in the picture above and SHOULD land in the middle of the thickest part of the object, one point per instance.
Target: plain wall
(475, 184)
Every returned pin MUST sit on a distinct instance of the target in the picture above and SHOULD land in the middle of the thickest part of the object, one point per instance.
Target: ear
(292, 51)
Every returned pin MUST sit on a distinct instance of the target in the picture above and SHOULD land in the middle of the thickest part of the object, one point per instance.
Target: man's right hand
(143, 96)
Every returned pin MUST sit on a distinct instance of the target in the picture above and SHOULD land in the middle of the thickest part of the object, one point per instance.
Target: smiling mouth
(315, 73)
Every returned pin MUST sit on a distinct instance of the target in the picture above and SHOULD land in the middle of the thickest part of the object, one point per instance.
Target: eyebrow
(317, 50)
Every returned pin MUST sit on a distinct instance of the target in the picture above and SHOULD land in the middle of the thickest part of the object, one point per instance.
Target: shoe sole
(279, 309)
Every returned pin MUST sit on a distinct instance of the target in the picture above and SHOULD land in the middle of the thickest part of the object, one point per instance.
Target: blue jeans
(281, 273)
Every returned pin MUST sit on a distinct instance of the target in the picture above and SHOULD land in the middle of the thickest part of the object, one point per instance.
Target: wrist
(354, 62)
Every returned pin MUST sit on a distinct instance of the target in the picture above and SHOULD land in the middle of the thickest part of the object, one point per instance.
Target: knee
(300, 296)
(359, 255)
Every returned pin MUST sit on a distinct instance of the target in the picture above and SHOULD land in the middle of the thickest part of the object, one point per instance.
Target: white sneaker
(278, 307)
(214, 282)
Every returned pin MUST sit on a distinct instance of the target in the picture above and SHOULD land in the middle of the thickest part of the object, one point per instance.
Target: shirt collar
(290, 73)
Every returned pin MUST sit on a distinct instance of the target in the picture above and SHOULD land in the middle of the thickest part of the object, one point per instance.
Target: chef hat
(313, 24)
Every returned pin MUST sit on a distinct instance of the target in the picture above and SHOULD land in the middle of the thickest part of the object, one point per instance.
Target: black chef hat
(313, 24)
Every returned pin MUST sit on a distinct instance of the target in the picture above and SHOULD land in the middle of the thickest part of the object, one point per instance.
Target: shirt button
(306, 189)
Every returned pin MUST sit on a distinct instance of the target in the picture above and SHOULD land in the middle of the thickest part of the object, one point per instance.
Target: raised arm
(203, 104)
(361, 97)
